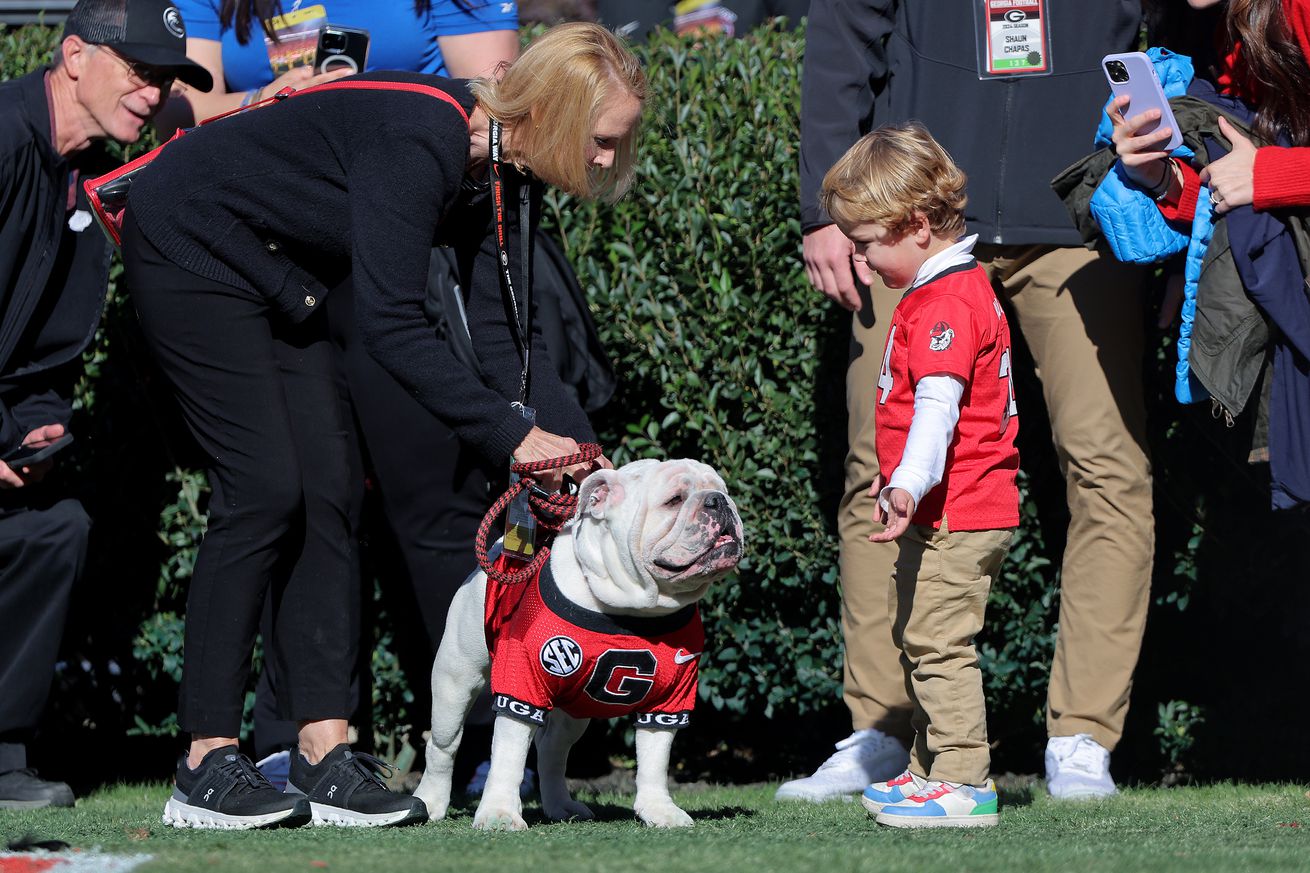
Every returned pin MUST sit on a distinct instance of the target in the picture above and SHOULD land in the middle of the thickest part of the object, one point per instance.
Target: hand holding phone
(27, 456)
(341, 48)
(1132, 75)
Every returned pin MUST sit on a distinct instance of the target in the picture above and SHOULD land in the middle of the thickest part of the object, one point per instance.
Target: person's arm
(399, 187)
(843, 58)
(936, 413)
(468, 55)
(186, 106)
(475, 37)
(1281, 177)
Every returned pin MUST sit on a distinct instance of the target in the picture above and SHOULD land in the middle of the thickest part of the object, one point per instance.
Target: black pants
(433, 492)
(42, 552)
(260, 397)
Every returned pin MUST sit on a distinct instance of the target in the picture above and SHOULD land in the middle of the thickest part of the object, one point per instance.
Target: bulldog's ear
(600, 492)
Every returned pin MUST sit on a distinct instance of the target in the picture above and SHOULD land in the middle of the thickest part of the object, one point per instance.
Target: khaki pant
(1080, 313)
(937, 603)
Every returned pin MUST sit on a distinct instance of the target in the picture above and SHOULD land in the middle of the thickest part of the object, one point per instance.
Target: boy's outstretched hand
(900, 509)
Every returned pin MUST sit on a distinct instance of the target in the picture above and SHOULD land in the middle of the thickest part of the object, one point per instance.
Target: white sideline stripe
(71, 862)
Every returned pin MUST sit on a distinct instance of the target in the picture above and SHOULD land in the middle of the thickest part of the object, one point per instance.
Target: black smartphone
(341, 47)
(26, 456)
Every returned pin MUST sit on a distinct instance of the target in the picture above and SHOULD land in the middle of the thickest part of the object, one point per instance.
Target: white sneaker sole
(323, 815)
(789, 791)
(938, 821)
(182, 815)
(1083, 794)
(873, 806)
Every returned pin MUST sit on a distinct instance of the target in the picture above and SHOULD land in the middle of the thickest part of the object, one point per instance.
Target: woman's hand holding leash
(541, 445)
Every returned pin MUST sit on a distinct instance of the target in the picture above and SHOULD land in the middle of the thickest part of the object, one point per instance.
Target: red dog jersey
(547, 652)
(953, 324)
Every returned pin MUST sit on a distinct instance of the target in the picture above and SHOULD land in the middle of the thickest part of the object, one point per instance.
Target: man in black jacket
(111, 73)
(1012, 89)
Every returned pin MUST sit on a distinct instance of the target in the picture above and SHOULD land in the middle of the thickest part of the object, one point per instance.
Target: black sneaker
(226, 791)
(344, 789)
(21, 789)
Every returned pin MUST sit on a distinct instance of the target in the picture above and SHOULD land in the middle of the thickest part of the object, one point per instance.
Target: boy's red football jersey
(547, 652)
(954, 325)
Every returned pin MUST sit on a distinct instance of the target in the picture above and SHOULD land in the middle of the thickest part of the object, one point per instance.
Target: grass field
(1223, 827)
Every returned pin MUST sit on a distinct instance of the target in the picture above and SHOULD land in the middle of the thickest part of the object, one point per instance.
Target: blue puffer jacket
(1137, 232)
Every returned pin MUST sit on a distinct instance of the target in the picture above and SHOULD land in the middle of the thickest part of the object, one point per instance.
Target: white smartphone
(1132, 73)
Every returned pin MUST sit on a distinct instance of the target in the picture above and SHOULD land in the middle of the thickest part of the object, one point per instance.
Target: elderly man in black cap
(110, 75)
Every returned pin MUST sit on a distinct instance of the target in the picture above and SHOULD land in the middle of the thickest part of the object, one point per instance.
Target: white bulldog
(611, 627)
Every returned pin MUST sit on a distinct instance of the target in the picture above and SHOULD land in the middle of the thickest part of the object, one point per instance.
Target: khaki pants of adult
(937, 603)
(1080, 314)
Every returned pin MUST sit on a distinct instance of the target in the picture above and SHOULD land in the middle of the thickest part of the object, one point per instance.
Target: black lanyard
(522, 320)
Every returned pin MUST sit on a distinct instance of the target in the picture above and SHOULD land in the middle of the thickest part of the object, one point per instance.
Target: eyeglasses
(141, 74)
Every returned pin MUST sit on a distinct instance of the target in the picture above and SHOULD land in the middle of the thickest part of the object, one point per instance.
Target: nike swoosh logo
(682, 656)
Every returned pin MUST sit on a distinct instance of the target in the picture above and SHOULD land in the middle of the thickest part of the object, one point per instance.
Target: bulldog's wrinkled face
(656, 533)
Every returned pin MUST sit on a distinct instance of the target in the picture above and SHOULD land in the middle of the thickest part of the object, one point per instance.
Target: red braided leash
(550, 510)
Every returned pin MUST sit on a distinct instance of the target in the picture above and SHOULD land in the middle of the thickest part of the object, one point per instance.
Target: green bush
(726, 354)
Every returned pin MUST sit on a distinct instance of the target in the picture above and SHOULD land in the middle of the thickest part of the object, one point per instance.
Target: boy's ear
(921, 228)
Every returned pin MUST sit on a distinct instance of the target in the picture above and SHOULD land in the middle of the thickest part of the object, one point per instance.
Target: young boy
(946, 423)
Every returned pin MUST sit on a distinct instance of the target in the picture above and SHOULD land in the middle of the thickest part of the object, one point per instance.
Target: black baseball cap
(149, 31)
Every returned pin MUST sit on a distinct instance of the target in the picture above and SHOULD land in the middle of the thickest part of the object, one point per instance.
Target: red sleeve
(1282, 177)
(682, 696)
(943, 338)
(1185, 209)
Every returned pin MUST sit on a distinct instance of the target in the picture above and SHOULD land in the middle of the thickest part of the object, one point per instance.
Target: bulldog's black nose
(715, 501)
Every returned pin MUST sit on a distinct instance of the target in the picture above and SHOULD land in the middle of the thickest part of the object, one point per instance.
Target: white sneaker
(864, 757)
(1078, 768)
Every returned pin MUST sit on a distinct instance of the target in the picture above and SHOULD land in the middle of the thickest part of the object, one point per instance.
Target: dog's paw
(567, 810)
(662, 814)
(492, 816)
(436, 811)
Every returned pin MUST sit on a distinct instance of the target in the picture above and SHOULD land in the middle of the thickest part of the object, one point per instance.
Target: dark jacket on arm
(873, 62)
(52, 278)
(284, 202)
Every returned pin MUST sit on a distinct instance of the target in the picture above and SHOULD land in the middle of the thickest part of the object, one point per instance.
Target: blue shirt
(398, 39)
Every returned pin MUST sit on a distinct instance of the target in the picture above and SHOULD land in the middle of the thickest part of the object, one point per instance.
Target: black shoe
(21, 789)
(226, 791)
(344, 789)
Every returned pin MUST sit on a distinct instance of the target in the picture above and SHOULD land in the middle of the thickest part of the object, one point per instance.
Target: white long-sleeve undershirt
(936, 412)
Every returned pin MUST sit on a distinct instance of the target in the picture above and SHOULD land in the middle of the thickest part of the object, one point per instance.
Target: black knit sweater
(288, 200)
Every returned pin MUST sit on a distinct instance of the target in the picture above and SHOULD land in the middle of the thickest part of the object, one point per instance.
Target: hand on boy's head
(897, 515)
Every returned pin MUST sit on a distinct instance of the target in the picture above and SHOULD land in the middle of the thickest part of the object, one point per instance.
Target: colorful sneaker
(1078, 768)
(344, 789)
(227, 792)
(880, 794)
(864, 757)
(944, 805)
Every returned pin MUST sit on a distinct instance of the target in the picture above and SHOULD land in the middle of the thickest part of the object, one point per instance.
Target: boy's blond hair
(552, 97)
(892, 173)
